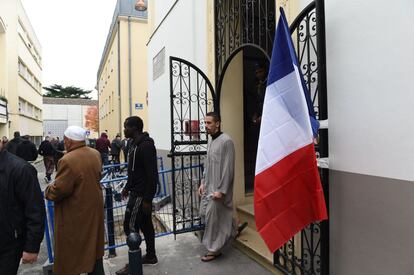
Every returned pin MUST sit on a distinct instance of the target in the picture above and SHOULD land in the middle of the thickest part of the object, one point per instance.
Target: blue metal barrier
(114, 178)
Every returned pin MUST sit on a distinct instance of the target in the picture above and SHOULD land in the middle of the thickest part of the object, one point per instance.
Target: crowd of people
(78, 197)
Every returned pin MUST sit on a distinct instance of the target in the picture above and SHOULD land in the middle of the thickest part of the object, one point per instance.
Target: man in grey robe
(216, 190)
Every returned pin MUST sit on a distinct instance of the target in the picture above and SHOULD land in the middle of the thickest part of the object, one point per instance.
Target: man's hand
(146, 207)
(124, 193)
(29, 258)
(217, 196)
(201, 189)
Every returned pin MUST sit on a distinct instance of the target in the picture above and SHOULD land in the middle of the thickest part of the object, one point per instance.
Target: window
(22, 106)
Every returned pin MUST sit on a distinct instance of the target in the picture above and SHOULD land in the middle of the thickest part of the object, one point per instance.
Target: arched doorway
(240, 96)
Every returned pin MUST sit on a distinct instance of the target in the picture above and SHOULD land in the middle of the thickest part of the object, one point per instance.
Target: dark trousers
(98, 269)
(115, 159)
(104, 158)
(138, 220)
(10, 259)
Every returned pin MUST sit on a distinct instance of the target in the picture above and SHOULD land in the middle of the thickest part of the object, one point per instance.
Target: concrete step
(246, 214)
(250, 243)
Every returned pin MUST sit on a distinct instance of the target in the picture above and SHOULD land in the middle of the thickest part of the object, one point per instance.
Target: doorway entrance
(255, 70)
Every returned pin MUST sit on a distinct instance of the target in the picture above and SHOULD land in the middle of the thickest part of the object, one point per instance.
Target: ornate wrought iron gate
(192, 96)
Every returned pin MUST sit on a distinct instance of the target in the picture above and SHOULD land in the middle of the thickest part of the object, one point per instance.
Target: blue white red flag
(288, 194)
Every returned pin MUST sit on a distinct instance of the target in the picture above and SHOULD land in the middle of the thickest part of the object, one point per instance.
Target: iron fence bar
(172, 98)
(323, 134)
(110, 218)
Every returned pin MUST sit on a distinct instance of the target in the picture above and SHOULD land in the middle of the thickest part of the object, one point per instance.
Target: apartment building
(122, 74)
(20, 73)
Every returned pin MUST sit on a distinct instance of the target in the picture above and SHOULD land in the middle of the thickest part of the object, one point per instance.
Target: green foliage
(66, 92)
(3, 98)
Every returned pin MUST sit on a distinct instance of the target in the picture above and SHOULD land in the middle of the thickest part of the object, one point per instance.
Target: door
(192, 97)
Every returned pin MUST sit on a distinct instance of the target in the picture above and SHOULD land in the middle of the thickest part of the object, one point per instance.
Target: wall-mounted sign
(158, 64)
(139, 106)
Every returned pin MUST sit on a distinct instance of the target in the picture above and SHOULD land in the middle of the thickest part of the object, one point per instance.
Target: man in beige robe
(217, 190)
(79, 208)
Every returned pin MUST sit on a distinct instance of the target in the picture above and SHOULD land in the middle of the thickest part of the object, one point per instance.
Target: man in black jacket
(14, 143)
(27, 150)
(116, 145)
(141, 187)
(22, 213)
(48, 152)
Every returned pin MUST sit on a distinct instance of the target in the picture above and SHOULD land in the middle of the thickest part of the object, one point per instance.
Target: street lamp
(140, 5)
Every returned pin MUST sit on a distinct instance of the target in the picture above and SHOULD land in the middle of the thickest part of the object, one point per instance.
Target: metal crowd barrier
(114, 178)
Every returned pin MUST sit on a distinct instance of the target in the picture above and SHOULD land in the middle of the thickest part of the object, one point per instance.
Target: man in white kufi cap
(75, 133)
(79, 220)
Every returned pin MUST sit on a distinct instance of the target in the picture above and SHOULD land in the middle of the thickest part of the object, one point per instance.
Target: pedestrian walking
(79, 208)
(11, 146)
(59, 151)
(124, 147)
(216, 190)
(22, 213)
(103, 145)
(27, 149)
(116, 145)
(47, 151)
(141, 187)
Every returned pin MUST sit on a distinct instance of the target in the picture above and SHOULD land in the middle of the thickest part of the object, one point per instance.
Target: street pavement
(180, 256)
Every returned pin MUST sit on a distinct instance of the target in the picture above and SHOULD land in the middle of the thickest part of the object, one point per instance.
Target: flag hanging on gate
(288, 193)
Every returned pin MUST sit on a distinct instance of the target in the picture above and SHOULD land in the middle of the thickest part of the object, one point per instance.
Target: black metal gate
(192, 96)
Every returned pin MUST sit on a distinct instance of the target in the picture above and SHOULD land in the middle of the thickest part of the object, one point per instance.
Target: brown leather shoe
(123, 271)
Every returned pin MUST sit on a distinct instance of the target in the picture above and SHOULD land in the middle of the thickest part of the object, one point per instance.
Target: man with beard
(216, 190)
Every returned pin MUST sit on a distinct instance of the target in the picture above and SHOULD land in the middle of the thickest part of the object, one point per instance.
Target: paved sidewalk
(182, 257)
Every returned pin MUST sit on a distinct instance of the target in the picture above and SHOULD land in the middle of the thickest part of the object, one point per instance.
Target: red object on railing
(192, 129)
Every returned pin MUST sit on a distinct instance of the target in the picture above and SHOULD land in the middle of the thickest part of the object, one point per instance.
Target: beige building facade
(122, 74)
(20, 73)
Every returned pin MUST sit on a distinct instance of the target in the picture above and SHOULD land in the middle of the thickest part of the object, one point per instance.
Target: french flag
(288, 193)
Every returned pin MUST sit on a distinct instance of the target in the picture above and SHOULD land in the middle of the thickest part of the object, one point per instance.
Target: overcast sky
(72, 34)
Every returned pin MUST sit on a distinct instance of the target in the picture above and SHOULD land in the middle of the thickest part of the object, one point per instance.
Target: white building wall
(370, 87)
(370, 99)
(162, 7)
(184, 35)
(73, 114)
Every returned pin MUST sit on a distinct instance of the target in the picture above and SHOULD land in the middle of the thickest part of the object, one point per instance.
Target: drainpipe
(129, 66)
(119, 78)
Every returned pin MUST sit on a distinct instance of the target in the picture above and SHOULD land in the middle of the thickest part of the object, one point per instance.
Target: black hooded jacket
(27, 150)
(12, 145)
(22, 209)
(142, 168)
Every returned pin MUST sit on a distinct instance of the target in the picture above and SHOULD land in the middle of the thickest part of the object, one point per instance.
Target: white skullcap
(75, 133)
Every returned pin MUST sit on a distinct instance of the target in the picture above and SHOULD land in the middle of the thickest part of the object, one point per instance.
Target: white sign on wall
(158, 64)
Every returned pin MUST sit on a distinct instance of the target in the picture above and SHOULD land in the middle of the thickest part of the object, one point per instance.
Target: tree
(66, 92)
